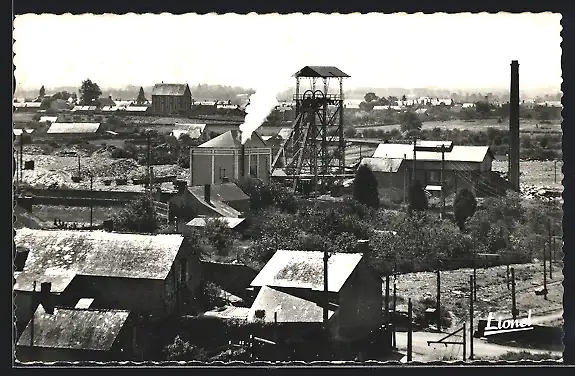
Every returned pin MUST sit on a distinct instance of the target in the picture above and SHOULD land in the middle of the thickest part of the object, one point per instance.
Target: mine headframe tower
(315, 147)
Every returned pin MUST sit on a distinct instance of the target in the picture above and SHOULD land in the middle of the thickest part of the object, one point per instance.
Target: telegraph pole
(149, 160)
(555, 169)
(544, 272)
(409, 331)
(325, 290)
(551, 250)
(79, 171)
(470, 317)
(91, 201)
(21, 164)
(414, 159)
(474, 287)
(513, 303)
(404, 183)
(438, 305)
(33, 314)
(442, 213)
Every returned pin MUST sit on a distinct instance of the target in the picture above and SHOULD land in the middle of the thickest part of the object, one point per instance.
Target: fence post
(438, 305)
(471, 313)
(464, 342)
(513, 303)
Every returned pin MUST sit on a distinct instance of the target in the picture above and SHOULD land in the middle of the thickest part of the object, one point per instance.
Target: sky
(446, 51)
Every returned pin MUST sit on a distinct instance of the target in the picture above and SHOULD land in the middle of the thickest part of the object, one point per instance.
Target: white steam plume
(261, 104)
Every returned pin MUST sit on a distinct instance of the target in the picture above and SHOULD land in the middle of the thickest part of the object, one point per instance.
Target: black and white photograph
(224, 188)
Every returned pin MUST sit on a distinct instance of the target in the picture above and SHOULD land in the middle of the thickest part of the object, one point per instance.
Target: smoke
(262, 102)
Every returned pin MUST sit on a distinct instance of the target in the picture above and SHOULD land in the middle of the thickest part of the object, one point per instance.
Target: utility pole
(79, 171)
(551, 250)
(544, 272)
(507, 274)
(555, 169)
(438, 306)
(405, 182)
(409, 331)
(33, 314)
(21, 164)
(91, 201)
(513, 302)
(464, 330)
(394, 311)
(474, 290)
(149, 160)
(414, 159)
(325, 290)
(471, 313)
(442, 213)
(386, 304)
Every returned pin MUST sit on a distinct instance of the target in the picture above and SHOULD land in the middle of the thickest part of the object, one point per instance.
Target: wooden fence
(162, 209)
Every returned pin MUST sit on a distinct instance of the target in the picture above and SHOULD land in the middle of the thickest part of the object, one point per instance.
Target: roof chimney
(207, 193)
(363, 248)
(45, 297)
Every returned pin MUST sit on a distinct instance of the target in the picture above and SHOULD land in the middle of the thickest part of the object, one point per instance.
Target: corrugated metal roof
(238, 313)
(78, 329)
(57, 128)
(169, 89)
(320, 71)
(304, 269)
(201, 222)
(58, 256)
(51, 119)
(382, 164)
(232, 139)
(457, 154)
(289, 307)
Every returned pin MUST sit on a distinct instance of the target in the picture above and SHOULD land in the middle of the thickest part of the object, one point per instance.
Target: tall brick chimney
(208, 193)
(514, 126)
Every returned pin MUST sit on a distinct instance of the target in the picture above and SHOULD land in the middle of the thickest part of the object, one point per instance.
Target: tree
(138, 216)
(89, 92)
(410, 122)
(141, 97)
(482, 109)
(183, 350)
(417, 197)
(403, 98)
(218, 234)
(371, 97)
(42, 92)
(365, 187)
(464, 206)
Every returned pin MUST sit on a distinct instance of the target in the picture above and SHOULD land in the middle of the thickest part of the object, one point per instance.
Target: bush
(219, 235)
(417, 197)
(138, 216)
(365, 187)
(182, 350)
(526, 355)
(464, 206)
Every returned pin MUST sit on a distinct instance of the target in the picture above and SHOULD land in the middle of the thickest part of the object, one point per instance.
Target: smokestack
(45, 297)
(514, 126)
(242, 161)
(207, 193)
(363, 248)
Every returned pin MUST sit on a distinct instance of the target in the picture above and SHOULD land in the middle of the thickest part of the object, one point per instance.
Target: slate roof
(169, 89)
(201, 222)
(304, 269)
(457, 154)
(58, 256)
(289, 306)
(77, 329)
(232, 139)
(105, 101)
(216, 205)
(382, 164)
(234, 278)
(63, 128)
(320, 71)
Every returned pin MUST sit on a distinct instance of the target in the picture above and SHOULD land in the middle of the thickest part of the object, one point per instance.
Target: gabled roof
(59, 128)
(382, 164)
(320, 71)
(216, 205)
(226, 192)
(304, 269)
(232, 139)
(289, 305)
(105, 101)
(76, 329)
(457, 154)
(201, 222)
(58, 256)
(169, 89)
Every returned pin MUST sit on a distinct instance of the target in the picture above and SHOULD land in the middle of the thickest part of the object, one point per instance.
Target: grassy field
(69, 214)
(525, 126)
(492, 292)
(536, 173)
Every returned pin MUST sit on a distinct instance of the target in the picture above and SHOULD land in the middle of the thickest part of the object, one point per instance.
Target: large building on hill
(224, 159)
(170, 99)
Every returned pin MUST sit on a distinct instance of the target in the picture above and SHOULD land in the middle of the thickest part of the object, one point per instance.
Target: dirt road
(481, 349)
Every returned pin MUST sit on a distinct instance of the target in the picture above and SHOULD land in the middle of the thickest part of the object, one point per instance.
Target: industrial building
(170, 99)
(224, 159)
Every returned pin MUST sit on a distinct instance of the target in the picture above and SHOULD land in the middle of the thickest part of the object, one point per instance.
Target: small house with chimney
(153, 275)
(209, 200)
(292, 292)
(79, 333)
(224, 159)
(168, 99)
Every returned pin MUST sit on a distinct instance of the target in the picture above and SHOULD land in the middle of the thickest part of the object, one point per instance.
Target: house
(78, 334)
(292, 293)
(73, 130)
(194, 131)
(464, 166)
(148, 274)
(105, 102)
(171, 99)
(224, 158)
(391, 175)
(211, 200)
